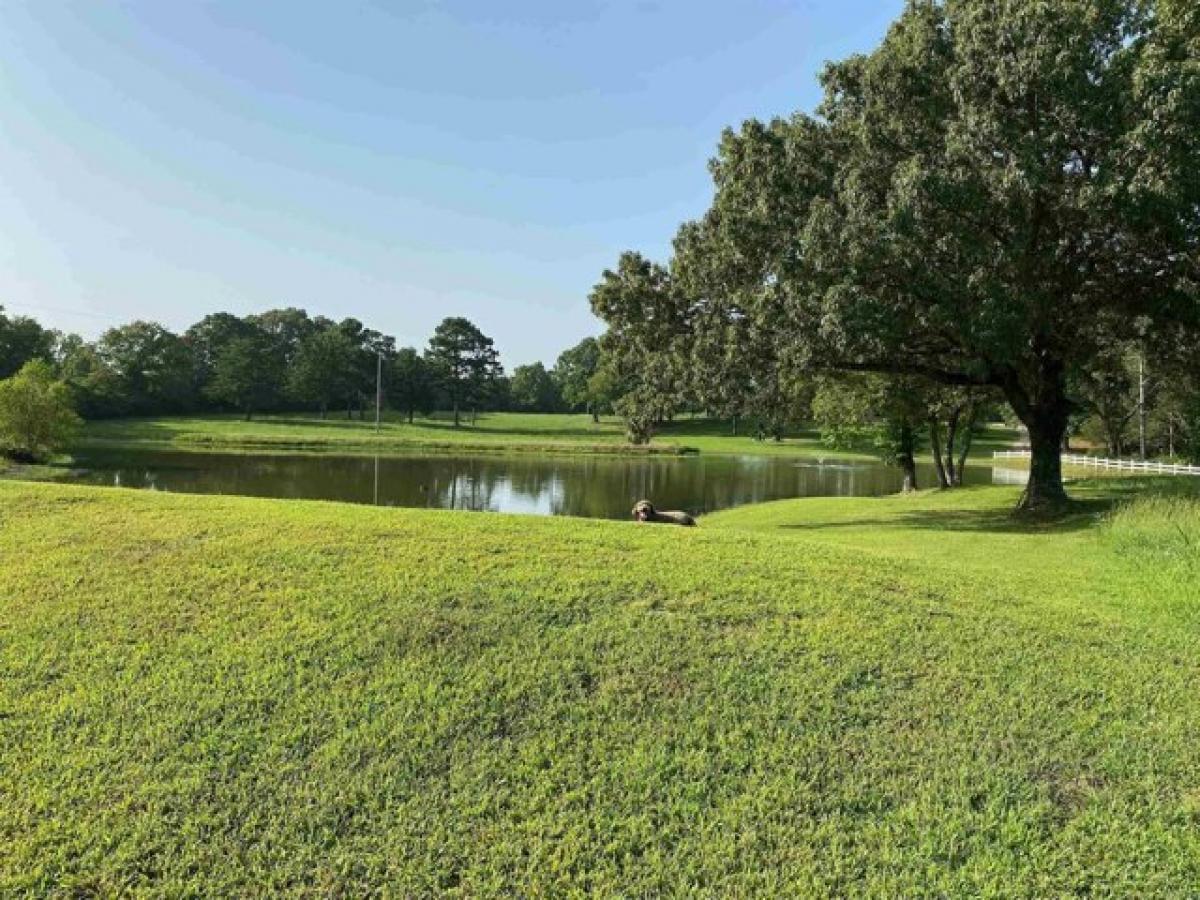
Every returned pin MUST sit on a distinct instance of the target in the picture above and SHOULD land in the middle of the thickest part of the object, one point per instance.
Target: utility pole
(1142, 404)
(378, 387)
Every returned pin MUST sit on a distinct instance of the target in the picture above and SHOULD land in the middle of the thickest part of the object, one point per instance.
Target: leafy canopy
(37, 417)
(996, 194)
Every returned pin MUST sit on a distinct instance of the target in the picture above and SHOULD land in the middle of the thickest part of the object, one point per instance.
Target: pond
(591, 486)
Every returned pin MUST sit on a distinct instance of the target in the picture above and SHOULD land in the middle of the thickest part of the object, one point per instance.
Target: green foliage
(573, 373)
(532, 389)
(22, 339)
(887, 414)
(411, 384)
(645, 347)
(95, 388)
(324, 371)
(36, 414)
(994, 196)
(466, 362)
(893, 697)
(603, 388)
(639, 422)
(1108, 385)
(151, 369)
(287, 329)
(842, 410)
(245, 374)
(1189, 422)
(209, 337)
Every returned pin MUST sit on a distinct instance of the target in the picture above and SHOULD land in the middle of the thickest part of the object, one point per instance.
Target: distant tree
(372, 349)
(466, 363)
(604, 388)
(954, 415)
(245, 374)
(152, 368)
(22, 339)
(36, 413)
(897, 416)
(1108, 390)
(325, 371)
(496, 394)
(1185, 437)
(287, 329)
(573, 372)
(534, 390)
(647, 342)
(411, 384)
(209, 337)
(95, 388)
(886, 414)
(1172, 373)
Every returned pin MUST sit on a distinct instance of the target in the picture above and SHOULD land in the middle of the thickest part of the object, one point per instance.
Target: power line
(21, 306)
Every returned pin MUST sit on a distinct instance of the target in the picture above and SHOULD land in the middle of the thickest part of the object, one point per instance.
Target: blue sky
(395, 162)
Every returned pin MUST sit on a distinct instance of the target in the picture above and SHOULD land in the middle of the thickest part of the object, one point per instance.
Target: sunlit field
(487, 432)
(892, 696)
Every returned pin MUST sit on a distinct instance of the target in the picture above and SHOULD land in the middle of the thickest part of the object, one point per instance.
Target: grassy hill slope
(893, 696)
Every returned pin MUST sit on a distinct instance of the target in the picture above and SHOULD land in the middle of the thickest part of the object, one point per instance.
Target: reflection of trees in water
(458, 484)
(599, 487)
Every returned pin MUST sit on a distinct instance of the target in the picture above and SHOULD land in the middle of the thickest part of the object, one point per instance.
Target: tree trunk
(908, 465)
(1044, 409)
(735, 426)
(968, 436)
(1113, 440)
(456, 418)
(411, 413)
(935, 443)
(1045, 488)
(951, 437)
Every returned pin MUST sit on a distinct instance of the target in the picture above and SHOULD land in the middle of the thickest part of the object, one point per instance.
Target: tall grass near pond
(1160, 528)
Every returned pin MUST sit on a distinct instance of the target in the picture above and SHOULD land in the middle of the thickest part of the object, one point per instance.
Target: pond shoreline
(384, 446)
(603, 485)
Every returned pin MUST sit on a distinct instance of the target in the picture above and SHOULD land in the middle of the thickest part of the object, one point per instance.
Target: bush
(36, 414)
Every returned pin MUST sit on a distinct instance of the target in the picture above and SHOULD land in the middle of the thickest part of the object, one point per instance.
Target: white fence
(1116, 465)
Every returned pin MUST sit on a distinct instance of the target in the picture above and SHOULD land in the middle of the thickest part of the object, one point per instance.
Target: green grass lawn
(529, 432)
(895, 696)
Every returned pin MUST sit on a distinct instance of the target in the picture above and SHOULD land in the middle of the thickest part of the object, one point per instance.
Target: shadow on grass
(1081, 515)
(354, 424)
(1083, 512)
(125, 430)
(591, 432)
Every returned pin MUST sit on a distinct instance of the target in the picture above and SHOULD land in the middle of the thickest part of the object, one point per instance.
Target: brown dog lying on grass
(645, 512)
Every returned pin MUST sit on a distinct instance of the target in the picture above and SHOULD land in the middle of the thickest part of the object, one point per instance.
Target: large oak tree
(994, 196)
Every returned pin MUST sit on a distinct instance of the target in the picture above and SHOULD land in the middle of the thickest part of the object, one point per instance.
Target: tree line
(1000, 204)
(286, 360)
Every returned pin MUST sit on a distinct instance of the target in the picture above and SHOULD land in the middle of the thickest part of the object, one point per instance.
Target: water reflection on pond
(591, 486)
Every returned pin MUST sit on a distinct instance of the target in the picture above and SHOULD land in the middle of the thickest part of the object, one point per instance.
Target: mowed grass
(892, 697)
(503, 432)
